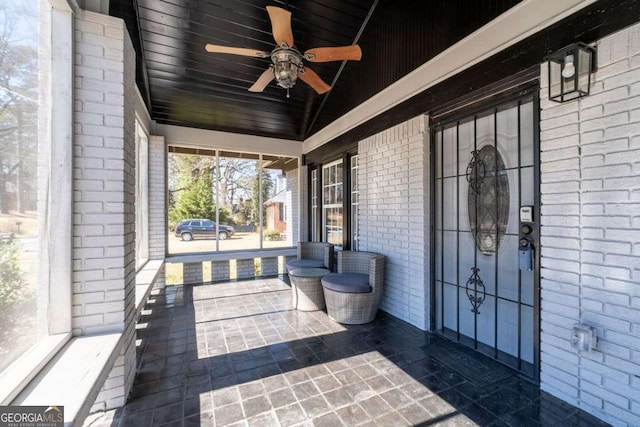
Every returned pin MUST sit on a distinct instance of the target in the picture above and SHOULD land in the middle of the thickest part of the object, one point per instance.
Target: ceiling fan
(286, 61)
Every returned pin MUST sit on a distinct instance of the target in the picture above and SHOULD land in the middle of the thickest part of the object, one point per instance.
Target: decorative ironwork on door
(476, 171)
(475, 290)
(488, 198)
(484, 172)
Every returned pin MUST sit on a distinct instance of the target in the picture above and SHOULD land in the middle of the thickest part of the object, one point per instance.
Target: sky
(20, 19)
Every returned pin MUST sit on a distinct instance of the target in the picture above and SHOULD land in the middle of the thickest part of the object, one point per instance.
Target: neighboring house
(276, 212)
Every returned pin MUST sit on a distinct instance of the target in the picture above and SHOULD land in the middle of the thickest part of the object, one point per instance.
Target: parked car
(189, 229)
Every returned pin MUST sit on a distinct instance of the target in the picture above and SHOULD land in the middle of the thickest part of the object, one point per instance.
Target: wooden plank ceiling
(186, 86)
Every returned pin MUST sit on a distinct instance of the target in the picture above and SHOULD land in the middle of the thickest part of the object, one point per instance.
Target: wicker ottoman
(353, 293)
(349, 298)
(306, 288)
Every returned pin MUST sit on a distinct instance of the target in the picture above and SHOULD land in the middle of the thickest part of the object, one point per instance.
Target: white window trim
(142, 196)
(314, 205)
(355, 190)
(324, 236)
(56, 226)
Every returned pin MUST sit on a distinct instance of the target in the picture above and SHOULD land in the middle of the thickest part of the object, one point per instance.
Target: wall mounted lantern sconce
(570, 71)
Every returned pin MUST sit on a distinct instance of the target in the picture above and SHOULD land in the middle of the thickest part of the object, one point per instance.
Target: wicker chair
(313, 255)
(353, 294)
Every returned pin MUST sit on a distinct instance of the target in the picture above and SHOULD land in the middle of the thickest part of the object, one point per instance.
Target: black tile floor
(236, 354)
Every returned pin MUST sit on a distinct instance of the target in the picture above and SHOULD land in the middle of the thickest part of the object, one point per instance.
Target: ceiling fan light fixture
(287, 63)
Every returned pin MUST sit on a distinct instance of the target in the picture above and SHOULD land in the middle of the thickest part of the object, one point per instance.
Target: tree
(18, 110)
(189, 179)
(12, 289)
(234, 180)
(256, 206)
(184, 170)
(196, 201)
(232, 183)
(242, 211)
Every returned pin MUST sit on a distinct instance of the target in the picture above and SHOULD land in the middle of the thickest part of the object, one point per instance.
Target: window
(314, 206)
(245, 193)
(332, 209)
(142, 196)
(35, 178)
(354, 203)
(19, 148)
(333, 214)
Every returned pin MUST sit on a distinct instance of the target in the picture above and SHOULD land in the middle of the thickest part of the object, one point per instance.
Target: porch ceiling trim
(518, 23)
(211, 140)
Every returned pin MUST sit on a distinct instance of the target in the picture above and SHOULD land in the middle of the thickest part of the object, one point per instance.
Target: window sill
(74, 377)
(145, 279)
(23, 370)
(225, 256)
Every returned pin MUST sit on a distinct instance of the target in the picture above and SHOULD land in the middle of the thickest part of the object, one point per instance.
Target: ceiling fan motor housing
(287, 62)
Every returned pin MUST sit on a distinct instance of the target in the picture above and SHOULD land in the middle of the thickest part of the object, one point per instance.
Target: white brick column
(590, 185)
(158, 203)
(104, 192)
(394, 215)
(157, 197)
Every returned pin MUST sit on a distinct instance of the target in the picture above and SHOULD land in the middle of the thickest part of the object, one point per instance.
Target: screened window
(142, 196)
(19, 168)
(332, 208)
(35, 218)
(244, 195)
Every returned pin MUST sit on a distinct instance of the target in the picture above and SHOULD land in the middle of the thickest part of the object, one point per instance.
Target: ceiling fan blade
(281, 25)
(310, 77)
(327, 54)
(214, 48)
(262, 82)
